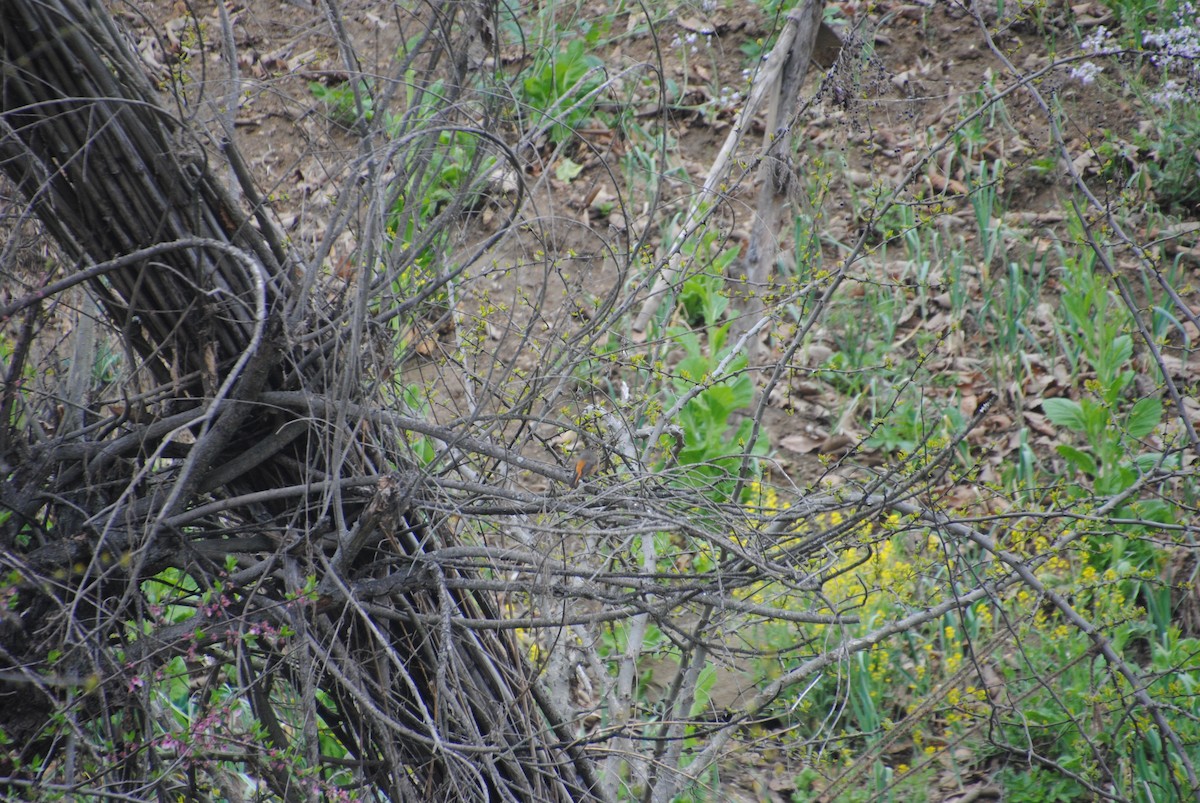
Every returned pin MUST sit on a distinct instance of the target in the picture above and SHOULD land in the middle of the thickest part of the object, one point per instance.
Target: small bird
(586, 464)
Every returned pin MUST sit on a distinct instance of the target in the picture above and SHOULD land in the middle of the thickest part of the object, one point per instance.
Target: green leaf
(567, 170)
(1080, 460)
(1116, 480)
(1064, 413)
(704, 687)
(1155, 510)
(1148, 460)
(1120, 351)
(1096, 420)
(1144, 417)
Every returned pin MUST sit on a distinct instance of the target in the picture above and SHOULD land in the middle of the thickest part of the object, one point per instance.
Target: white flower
(1086, 71)
(1171, 92)
(1177, 52)
(1097, 41)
